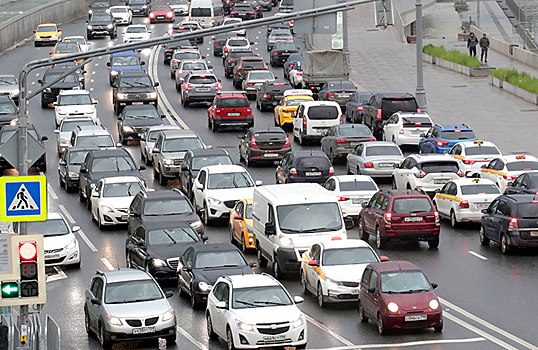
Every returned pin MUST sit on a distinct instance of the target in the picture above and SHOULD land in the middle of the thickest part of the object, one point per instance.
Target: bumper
(441, 149)
(41, 40)
(171, 170)
(72, 182)
(140, 11)
(113, 218)
(516, 240)
(163, 273)
(286, 118)
(121, 21)
(252, 340)
(65, 257)
(146, 102)
(377, 172)
(200, 97)
(99, 33)
(162, 20)
(125, 332)
(268, 155)
(319, 180)
(218, 211)
(249, 121)
(468, 216)
(352, 209)
(418, 235)
(131, 136)
(398, 321)
(408, 140)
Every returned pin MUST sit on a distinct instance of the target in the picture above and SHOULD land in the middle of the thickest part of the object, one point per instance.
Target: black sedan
(267, 144)
(135, 120)
(270, 94)
(304, 166)
(342, 138)
(74, 80)
(202, 264)
(354, 108)
(526, 183)
(69, 166)
(156, 247)
(281, 51)
(340, 91)
(231, 60)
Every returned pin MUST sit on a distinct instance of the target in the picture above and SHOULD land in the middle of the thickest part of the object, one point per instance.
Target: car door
(238, 224)
(198, 190)
(298, 121)
(282, 169)
(368, 216)
(243, 144)
(355, 164)
(371, 299)
(425, 142)
(135, 214)
(157, 156)
(487, 218)
(390, 124)
(219, 318)
(95, 292)
(95, 199)
(84, 169)
(526, 184)
(488, 172)
(138, 252)
(441, 200)
(269, 241)
(312, 271)
(400, 173)
(500, 218)
(517, 185)
(185, 275)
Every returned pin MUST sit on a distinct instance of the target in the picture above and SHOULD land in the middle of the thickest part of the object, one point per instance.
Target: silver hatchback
(199, 87)
(374, 158)
(128, 304)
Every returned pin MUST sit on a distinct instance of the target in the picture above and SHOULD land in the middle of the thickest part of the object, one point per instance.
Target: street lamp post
(420, 93)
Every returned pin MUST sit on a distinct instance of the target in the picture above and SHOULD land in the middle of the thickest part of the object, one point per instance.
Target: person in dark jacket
(472, 42)
(484, 45)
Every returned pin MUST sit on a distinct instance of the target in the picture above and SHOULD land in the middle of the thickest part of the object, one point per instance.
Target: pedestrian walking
(472, 42)
(484, 46)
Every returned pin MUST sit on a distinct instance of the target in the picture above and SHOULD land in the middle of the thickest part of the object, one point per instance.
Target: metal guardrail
(52, 334)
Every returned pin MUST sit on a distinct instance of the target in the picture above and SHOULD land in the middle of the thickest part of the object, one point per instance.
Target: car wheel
(229, 339)
(172, 75)
(362, 232)
(205, 215)
(67, 188)
(244, 248)
(482, 235)
(88, 202)
(362, 315)
(301, 140)
(304, 287)
(321, 298)
(162, 179)
(434, 244)
(277, 272)
(380, 326)
(453, 221)
(358, 170)
(506, 249)
(80, 195)
(171, 339)
(210, 333)
(232, 234)
(128, 261)
(62, 182)
(262, 261)
(194, 301)
(99, 223)
(438, 329)
(331, 156)
(348, 170)
(380, 241)
(87, 322)
(104, 337)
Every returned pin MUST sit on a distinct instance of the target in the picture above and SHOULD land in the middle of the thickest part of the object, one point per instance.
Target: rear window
(233, 102)
(439, 167)
(403, 104)
(519, 166)
(297, 101)
(411, 205)
(238, 42)
(270, 136)
(418, 121)
(313, 162)
(261, 75)
(253, 64)
(480, 189)
(277, 87)
(209, 79)
(383, 151)
(364, 98)
(323, 112)
(200, 12)
(480, 150)
(358, 130)
(357, 186)
(527, 210)
(341, 85)
(186, 55)
(458, 135)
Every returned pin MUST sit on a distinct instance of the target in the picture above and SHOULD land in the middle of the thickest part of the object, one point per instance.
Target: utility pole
(478, 14)
(345, 33)
(420, 93)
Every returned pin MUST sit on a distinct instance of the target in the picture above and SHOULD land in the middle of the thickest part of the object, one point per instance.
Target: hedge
(522, 80)
(451, 55)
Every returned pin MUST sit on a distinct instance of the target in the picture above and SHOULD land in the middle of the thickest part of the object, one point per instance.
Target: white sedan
(296, 77)
(121, 14)
(112, 197)
(505, 169)
(75, 103)
(471, 155)
(136, 33)
(81, 40)
(462, 200)
(405, 128)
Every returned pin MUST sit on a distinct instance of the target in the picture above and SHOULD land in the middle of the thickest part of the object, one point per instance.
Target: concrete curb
(514, 90)
(481, 72)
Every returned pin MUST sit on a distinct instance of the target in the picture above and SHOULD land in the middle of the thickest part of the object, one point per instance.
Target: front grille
(230, 204)
(76, 113)
(347, 296)
(55, 261)
(133, 96)
(53, 251)
(134, 323)
(273, 331)
(269, 342)
(140, 129)
(173, 262)
(350, 284)
(99, 27)
(177, 161)
(151, 321)
(45, 37)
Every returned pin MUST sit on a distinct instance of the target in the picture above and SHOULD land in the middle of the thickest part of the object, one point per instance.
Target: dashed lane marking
(89, 243)
(51, 191)
(107, 264)
(412, 343)
(329, 331)
(191, 338)
(477, 255)
(66, 213)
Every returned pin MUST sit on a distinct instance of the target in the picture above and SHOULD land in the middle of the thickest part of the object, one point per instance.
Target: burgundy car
(397, 295)
(393, 215)
(161, 13)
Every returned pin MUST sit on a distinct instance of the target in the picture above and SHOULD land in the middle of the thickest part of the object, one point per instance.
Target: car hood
(210, 276)
(118, 68)
(63, 85)
(179, 6)
(142, 309)
(76, 108)
(227, 194)
(117, 202)
(167, 251)
(122, 15)
(57, 242)
(410, 302)
(143, 122)
(74, 167)
(137, 89)
(46, 33)
(174, 155)
(351, 273)
(269, 314)
(160, 13)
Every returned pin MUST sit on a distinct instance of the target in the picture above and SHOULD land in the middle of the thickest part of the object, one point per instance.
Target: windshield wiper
(269, 302)
(141, 84)
(126, 83)
(220, 266)
(169, 236)
(245, 302)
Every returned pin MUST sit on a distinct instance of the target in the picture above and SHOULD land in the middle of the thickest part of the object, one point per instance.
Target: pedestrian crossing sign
(24, 198)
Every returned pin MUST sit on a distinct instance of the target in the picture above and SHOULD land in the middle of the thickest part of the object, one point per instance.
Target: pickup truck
(321, 66)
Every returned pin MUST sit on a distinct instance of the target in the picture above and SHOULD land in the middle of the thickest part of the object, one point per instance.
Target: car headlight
(145, 6)
(113, 320)
(298, 322)
(91, 111)
(250, 229)
(121, 96)
(168, 161)
(286, 241)
(90, 11)
(214, 201)
(204, 287)
(110, 26)
(434, 304)
(73, 174)
(153, 94)
(64, 142)
(196, 224)
(332, 283)
(168, 315)
(114, 72)
(61, 111)
(392, 307)
(73, 244)
(244, 326)
(89, 27)
(107, 209)
(127, 128)
(158, 262)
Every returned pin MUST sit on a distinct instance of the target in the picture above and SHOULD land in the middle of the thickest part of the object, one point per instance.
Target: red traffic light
(27, 251)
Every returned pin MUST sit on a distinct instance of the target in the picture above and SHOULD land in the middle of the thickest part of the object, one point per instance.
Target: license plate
(202, 89)
(342, 95)
(313, 173)
(274, 337)
(270, 155)
(356, 200)
(45, 39)
(534, 233)
(386, 165)
(482, 205)
(143, 330)
(440, 181)
(355, 291)
(413, 219)
(416, 132)
(416, 318)
(138, 103)
(124, 217)
(285, 53)
(160, 17)
(51, 256)
(234, 114)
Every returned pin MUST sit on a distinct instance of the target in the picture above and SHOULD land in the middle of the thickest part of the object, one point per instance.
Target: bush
(522, 80)
(451, 55)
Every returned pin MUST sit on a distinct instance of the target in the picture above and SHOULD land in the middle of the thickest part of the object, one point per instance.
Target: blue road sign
(24, 198)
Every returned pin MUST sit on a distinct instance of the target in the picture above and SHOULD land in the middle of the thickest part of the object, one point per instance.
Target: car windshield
(80, 41)
(412, 205)
(7, 108)
(203, 79)
(143, 81)
(265, 296)
(161, 8)
(232, 102)
(101, 17)
(119, 10)
(113, 164)
(145, 113)
(8, 81)
(95, 140)
(357, 130)
(172, 236)
(313, 162)
(439, 167)
(480, 189)
(323, 112)
(363, 98)
(124, 189)
(200, 162)
(457, 135)
(402, 282)
(386, 150)
(280, 33)
(229, 180)
(48, 228)
(77, 157)
(66, 47)
(216, 259)
(136, 29)
(167, 207)
(309, 218)
(186, 55)
(183, 144)
(132, 291)
(66, 100)
(125, 61)
(46, 29)
(238, 42)
(52, 76)
(481, 150)
(348, 256)
(270, 136)
(235, 54)
(350, 186)
(232, 21)
(178, 2)
(522, 165)
(200, 12)
(70, 125)
(297, 101)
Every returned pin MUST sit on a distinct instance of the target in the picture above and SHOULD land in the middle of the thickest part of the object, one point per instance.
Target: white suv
(314, 118)
(75, 103)
(254, 311)
(405, 128)
(236, 43)
(428, 172)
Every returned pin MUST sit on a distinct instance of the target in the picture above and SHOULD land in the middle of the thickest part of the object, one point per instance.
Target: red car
(161, 13)
(397, 295)
(230, 108)
(393, 215)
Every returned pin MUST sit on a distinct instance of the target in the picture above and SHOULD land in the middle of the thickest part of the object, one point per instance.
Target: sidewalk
(381, 62)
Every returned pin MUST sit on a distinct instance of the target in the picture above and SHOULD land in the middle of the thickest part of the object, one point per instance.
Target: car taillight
(225, 50)
(291, 65)
(293, 172)
(253, 142)
(304, 122)
(359, 108)
(251, 84)
(508, 177)
(372, 139)
(513, 224)
(464, 204)
(418, 123)
(400, 129)
(460, 173)
(233, 13)
(287, 144)
(179, 72)
(379, 115)
(388, 218)
(230, 61)
(213, 21)
(436, 214)
(330, 95)
(342, 199)
(442, 143)
(275, 54)
(299, 74)
(219, 85)
(418, 110)
(251, 12)
(420, 174)
(217, 43)
(187, 86)
(266, 96)
(341, 141)
(369, 165)
(331, 171)
(341, 119)
(466, 161)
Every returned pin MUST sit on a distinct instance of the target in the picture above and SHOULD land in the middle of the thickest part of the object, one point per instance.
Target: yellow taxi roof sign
(476, 180)
(479, 142)
(520, 157)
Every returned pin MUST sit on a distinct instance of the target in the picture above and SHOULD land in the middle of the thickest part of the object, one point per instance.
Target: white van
(314, 118)
(208, 13)
(288, 219)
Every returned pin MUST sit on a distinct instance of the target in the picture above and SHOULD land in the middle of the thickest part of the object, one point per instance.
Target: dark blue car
(127, 60)
(139, 7)
(354, 108)
(441, 138)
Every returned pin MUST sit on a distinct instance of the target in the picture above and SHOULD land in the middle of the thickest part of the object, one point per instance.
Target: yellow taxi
(65, 48)
(286, 109)
(503, 170)
(47, 33)
(241, 224)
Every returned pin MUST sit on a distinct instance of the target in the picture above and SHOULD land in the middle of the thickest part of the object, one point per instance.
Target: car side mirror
(258, 182)
(422, 135)
(163, 116)
(205, 239)
(364, 204)
(75, 228)
(119, 117)
(134, 214)
(485, 211)
(155, 150)
(238, 217)
(200, 187)
(210, 66)
(142, 167)
(276, 77)
(252, 265)
(156, 84)
(95, 301)
(142, 63)
(437, 190)
(510, 184)
(313, 263)
(86, 22)
(168, 294)
(297, 299)
(383, 258)
(108, 64)
(62, 162)
(221, 305)
(142, 138)
(56, 131)
(484, 166)
(118, 144)
(348, 220)
(270, 229)
(95, 193)
(396, 166)
(83, 170)
(371, 289)
(434, 285)
(95, 102)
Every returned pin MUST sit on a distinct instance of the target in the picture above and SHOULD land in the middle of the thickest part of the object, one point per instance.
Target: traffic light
(9, 290)
(28, 268)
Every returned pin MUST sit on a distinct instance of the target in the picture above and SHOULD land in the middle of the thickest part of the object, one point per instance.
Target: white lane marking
(33, 82)
(91, 89)
(91, 81)
(412, 343)
(100, 57)
(107, 264)
(259, 32)
(93, 72)
(29, 91)
(60, 276)
(191, 338)
(66, 213)
(477, 255)
(487, 324)
(51, 191)
(257, 37)
(97, 64)
(329, 331)
(37, 75)
(478, 331)
(255, 43)
(208, 49)
(90, 244)
(256, 48)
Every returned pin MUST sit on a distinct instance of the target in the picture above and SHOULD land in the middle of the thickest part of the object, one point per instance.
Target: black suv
(281, 51)
(382, 106)
(69, 165)
(8, 109)
(103, 6)
(105, 163)
(230, 61)
(156, 206)
(133, 86)
(526, 183)
(304, 166)
(512, 221)
(101, 23)
(74, 80)
(135, 120)
(244, 10)
(270, 94)
(7, 132)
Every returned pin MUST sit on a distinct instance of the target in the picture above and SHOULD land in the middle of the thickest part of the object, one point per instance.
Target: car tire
(87, 322)
(99, 224)
(195, 304)
(229, 339)
(277, 272)
(262, 261)
(348, 170)
(434, 243)
(62, 182)
(80, 195)
(362, 232)
(320, 296)
(304, 287)
(171, 339)
(358, 172)
(209, 324)
(453, 220)
(244, 248)
(380, 241)
(301, 140)
(44, 104)
(104, 337)
(438, 329)
(506, 249)
(162, 179)
(88, 202)
(394, 185)
(362, 316)
(128, 261)
(214, 126)
(380, 326)
(205, 216)
(484, 240)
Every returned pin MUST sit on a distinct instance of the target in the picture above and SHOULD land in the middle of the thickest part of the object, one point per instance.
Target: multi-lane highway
(488, 298)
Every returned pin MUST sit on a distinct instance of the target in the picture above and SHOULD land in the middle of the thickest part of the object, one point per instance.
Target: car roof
(380, 143)
(344, 243)
(124, 275)
(75, 119)
(472, 181)
(47, 24)
(82, 148)
(179, 133)
(106, 153)
(449, 127)
(405, 193)
(91, 130)
(163, 127)
(215, 247)
(209, 152)
(255, 280)
(413, 114)
(432, 157)
(395, 95)
(139, 107)
(221, 169)
(74, 92)
(120, 179)
(476, 143)
(520, 198)
(164, 194)
(134, 72)
(125, 53)
(268, 129)
(518, 158)
(388, 266)
(320, 103)
(308, 154)
(352, 178)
